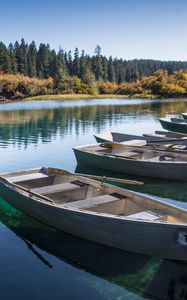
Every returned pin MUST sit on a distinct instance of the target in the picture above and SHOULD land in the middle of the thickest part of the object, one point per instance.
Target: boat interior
(178, 120)
(165, 134)
(135, 152)
(77, 192)
(120, 137)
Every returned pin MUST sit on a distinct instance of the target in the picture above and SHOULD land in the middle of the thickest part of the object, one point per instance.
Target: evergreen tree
(5, 65)
(97, 66)
(32, 59)
(12, 58)
(62, 69)
(105, 68)
(76, 63)
(43, 61)
(97, 51)
(111, 70)
(70, 63)
(21, 57)
(53, 68)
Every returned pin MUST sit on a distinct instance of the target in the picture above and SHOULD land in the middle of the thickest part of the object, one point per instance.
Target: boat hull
(173, 126)
(163, 170)
(117, 137)
(153, 239)
(157, 137)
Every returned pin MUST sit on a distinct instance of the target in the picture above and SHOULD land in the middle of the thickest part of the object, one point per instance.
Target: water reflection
(31, 125)
(137, 275)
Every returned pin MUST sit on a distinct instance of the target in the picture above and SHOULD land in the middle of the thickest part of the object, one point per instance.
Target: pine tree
(105, 68)
(12, 58)
(97, 66)
(76, 63)
(5, 65)
(43, 61)
(62, 69)
(21, 57)
(111, 70)
(32, 59)
(53, 69)
(70, 63)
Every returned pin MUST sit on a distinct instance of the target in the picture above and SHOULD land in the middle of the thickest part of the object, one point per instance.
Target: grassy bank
(86, 96)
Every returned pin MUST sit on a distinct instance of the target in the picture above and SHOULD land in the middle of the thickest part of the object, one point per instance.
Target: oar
(104, 178)
(57, 171)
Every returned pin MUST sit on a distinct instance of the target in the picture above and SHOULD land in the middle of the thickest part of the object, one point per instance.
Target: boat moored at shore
(133, 160)
(98, 212)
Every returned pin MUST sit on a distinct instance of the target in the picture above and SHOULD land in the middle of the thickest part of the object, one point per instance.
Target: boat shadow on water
(144, 276)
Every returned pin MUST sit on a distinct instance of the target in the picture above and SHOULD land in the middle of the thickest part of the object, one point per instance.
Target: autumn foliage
(158, 85)
(20, 86)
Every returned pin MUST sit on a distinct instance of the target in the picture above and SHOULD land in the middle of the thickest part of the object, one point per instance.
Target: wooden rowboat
(162, 137)
(174, 124)
(134, 160)
(98, 212)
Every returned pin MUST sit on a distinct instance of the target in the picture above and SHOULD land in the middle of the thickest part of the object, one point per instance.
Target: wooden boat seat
(55, 188)
(126, 154)
(146, 215)
(138, 143)
(82, 204)
(26, 177)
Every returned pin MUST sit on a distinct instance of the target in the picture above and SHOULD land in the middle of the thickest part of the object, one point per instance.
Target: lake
(38, 262)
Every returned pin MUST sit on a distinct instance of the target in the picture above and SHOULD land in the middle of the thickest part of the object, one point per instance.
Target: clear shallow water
(38, 262)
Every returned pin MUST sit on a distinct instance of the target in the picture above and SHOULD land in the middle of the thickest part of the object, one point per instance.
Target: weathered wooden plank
(26, 177)
(61, 187)
(145, 215)
(92, 201)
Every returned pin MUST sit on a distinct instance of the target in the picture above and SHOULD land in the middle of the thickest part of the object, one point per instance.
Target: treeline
(160, 84)
(44, 62)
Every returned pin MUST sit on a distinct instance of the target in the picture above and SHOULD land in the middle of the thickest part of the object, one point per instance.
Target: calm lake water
(37, 262)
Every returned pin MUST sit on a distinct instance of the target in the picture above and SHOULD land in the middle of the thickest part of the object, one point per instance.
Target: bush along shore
(159, 85)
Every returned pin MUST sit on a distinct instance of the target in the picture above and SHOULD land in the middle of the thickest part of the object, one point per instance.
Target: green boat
(174, 124)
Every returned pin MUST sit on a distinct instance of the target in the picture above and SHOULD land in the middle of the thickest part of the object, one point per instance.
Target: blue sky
(123, 28)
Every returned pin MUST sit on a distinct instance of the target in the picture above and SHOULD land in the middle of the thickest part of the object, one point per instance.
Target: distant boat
(134, 160)
(184, 115)
(98, 212)
(156, 137)
(174, 124)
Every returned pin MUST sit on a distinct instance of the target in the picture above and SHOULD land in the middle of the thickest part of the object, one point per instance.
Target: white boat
(98, 212)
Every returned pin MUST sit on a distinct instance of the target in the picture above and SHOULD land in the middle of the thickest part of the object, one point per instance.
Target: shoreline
(85, 96)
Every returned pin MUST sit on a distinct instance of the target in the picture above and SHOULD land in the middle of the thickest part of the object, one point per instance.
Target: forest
(27, 70)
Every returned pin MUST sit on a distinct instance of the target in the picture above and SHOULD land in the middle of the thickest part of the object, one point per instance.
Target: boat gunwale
(179, 162)
(182, 123)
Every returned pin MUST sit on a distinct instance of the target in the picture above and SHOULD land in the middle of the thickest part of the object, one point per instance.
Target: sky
(128, 29)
